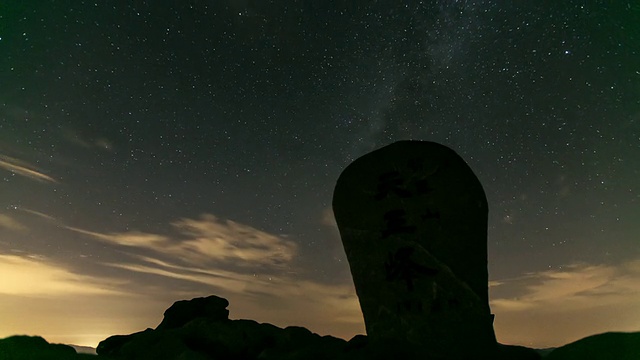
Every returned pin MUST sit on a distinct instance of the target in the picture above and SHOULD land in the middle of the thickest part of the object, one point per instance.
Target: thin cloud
(224, 280)
(133, 238)
(22, 168)
(581, 299)
(37, 213)
(75, 138)
(573, 287)
(209, 239)
(35, 276)
(280, 300)
(250, 267)
(323, 308)
(103, 143)
(10, 223)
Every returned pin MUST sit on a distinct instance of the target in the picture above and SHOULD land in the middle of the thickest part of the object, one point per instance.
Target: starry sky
(156, 152)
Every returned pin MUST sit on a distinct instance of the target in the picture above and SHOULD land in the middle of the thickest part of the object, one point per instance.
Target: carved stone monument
(413, 221)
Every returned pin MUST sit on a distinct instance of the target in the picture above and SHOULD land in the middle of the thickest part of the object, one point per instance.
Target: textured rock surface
(413, 222)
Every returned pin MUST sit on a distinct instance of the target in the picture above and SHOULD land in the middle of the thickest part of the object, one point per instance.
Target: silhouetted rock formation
(607, 346)
(181, 312)
(21, 347)
(200, 329)
(413, 222)
(203, 334)
(412, 217)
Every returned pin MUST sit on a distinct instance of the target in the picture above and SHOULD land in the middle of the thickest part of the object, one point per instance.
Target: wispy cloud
(75, 138)
(221, 279)
(132, 238)
(33, 275)
(252, 268)
(278, 299)
(10, 223)
(25, 169)
(574, 287)
(209, 239)
(568, 300)
(37, 213)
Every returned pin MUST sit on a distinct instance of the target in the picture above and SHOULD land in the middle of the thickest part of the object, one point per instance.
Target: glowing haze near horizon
(155, 153)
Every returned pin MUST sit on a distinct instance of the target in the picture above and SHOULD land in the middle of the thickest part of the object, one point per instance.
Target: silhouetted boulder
(607, 346)
(181, 312)
(21, 347)
(413, 221)
(196, 330)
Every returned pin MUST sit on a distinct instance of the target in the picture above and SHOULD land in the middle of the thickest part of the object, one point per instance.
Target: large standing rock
(413, 222)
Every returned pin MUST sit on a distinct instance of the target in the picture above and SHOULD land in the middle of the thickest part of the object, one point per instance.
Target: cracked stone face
(413, 221)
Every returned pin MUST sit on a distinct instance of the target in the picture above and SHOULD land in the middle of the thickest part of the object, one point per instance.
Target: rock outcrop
(204, 334)
(212, 307)
(607, 346)
(22, 347)
(200, 329)
(413, 221)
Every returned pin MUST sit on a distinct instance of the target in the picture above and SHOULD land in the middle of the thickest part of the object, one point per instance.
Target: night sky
(151, 153)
